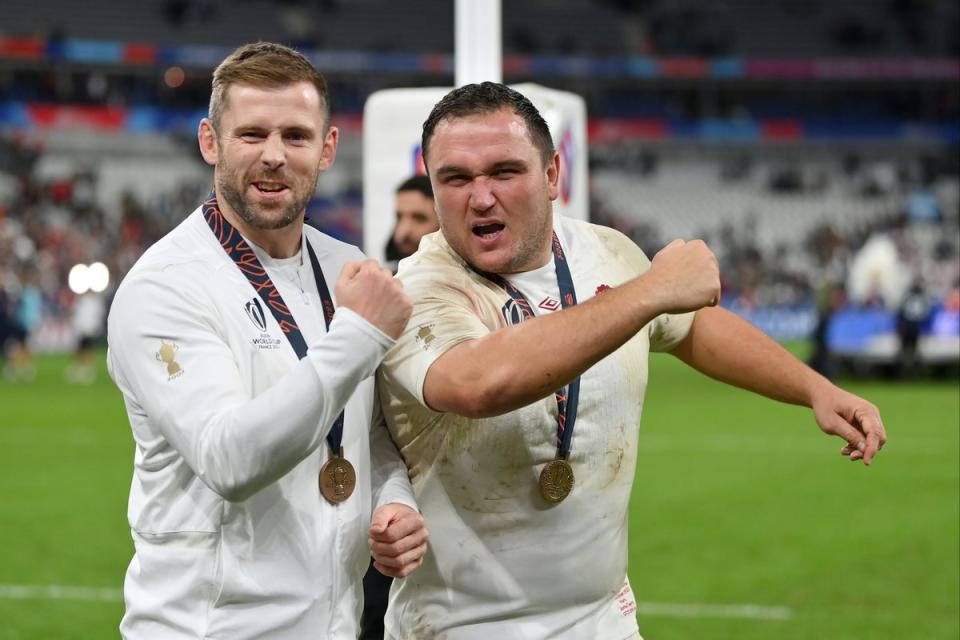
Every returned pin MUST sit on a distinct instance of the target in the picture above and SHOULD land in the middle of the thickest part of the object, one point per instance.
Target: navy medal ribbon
(568, 396)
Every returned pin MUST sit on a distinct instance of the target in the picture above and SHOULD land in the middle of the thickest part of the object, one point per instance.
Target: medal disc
(337, 479)
(556, 480)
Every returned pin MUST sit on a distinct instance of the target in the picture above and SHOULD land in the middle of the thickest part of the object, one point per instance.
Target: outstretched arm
(512, 367)
(729, 349)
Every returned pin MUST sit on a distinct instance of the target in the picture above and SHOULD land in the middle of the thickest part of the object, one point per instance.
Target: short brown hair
(484, 98)
(263, 64)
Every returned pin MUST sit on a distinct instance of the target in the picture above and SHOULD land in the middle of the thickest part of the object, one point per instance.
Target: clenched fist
(685, 277)
(398, 540)
(372, 292)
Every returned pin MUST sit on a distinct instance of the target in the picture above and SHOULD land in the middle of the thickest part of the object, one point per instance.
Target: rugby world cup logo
(255, 313)
(512, 312)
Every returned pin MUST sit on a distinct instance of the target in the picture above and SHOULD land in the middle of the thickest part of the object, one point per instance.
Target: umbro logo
(550, 304)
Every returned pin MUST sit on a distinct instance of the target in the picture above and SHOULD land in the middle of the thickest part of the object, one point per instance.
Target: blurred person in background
(525, 326)
(249, 387)
(88, 321)
(6, 320)
(27, 306)
(913, 313)
(416, 218)
(879, 277)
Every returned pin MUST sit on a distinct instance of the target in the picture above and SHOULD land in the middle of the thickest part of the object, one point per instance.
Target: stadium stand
(789, 134)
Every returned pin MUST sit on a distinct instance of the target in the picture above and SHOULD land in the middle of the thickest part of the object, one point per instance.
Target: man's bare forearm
(512, 367)
(728, 348)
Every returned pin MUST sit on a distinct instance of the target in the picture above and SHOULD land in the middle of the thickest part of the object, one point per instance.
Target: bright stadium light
(79, 279)
(98, 276)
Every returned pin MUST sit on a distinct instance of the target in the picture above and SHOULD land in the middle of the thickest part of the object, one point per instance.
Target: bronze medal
(337, 478)
(556, 480)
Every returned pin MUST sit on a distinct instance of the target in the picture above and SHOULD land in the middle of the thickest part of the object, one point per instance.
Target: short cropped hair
(266, 65)
(417, 183)
(484, 98)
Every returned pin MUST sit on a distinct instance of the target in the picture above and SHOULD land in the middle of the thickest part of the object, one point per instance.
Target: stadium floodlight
(79, 279)
(98, 277)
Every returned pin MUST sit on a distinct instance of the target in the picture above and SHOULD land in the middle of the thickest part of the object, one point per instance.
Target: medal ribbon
(250, 266)
(568, 396)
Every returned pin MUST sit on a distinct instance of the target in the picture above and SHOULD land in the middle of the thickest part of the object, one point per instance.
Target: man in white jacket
(259, 455)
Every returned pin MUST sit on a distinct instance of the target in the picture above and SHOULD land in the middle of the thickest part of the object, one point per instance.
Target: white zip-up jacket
(233, 538)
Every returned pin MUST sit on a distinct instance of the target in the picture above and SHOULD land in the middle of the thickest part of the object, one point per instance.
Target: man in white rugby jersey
(516, 389)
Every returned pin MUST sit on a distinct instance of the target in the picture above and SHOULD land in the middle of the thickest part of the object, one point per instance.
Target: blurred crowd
(47, 226)
(898, 258)
(909, 239)
(900, 262)
(872, 266)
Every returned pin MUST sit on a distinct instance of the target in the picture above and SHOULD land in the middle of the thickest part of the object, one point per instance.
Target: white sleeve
(199, 401)
(389, 480)
(669, 329)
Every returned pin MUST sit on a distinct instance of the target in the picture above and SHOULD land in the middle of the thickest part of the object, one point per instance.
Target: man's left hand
(852, 418)
(398, 540)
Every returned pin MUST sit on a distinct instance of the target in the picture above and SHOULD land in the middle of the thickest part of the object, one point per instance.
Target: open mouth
(269, 187)
(487, 230)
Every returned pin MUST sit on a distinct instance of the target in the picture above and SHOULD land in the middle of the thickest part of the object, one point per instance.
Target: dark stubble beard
(530, 247)
(249, 215)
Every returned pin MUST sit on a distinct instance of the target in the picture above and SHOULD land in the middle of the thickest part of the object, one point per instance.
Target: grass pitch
(738, 501)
